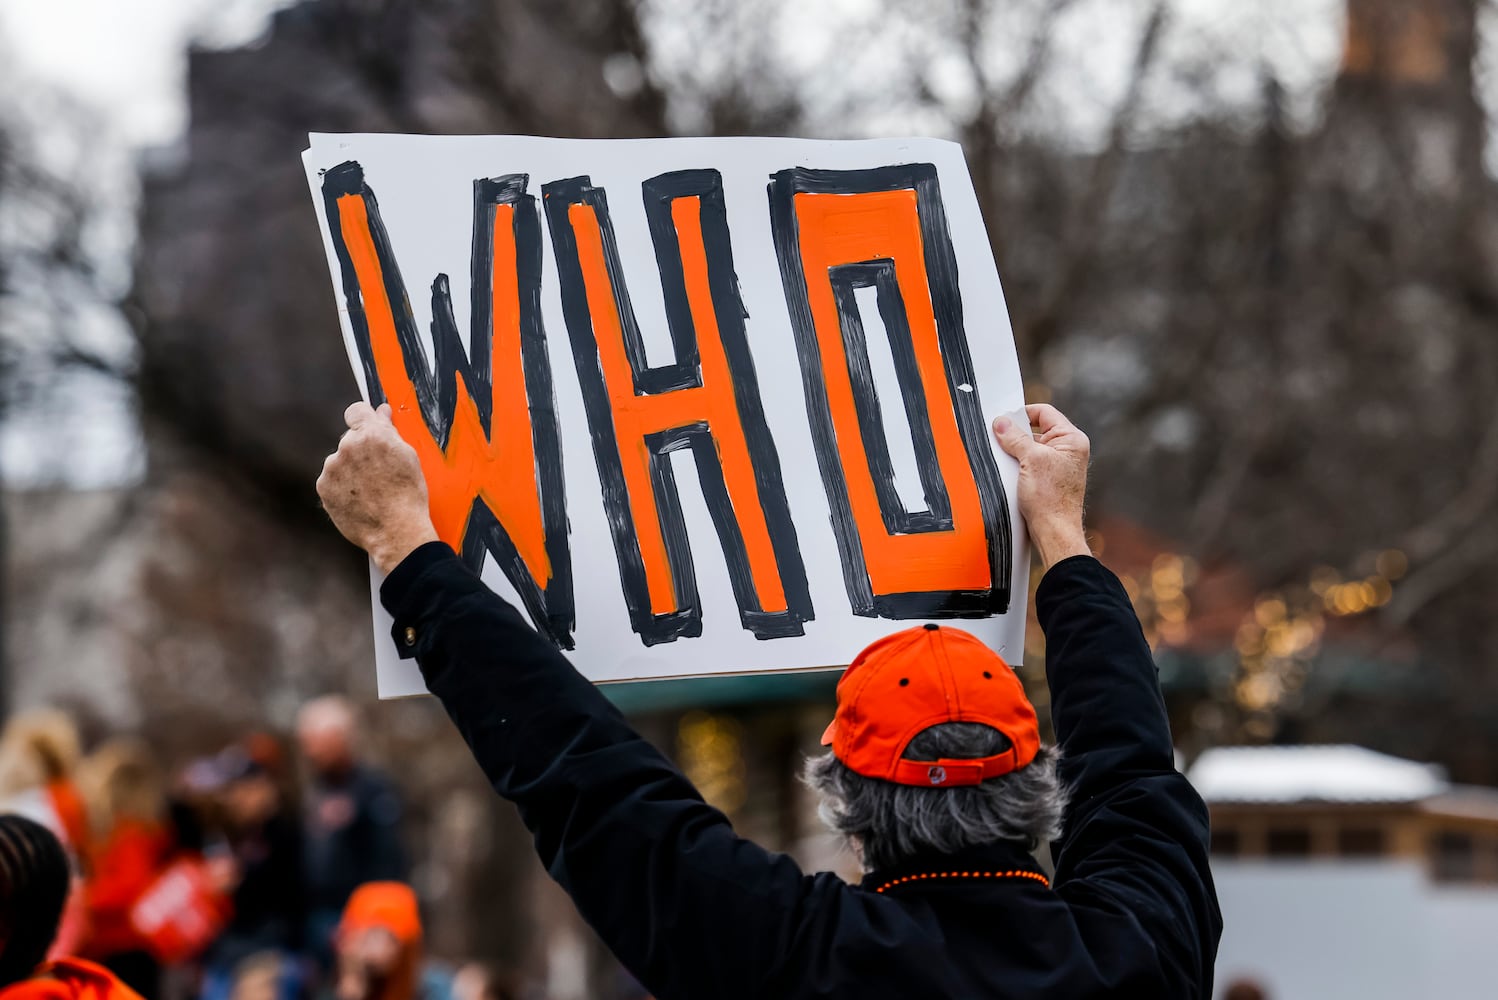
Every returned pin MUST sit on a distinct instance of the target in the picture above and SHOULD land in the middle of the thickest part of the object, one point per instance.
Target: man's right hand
(1052, 480)
(373, 489)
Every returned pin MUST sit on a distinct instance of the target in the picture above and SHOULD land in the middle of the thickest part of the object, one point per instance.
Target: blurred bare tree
(228, 280)
(62, 343)
(1274, 313)
(250, 602)
(48, 210)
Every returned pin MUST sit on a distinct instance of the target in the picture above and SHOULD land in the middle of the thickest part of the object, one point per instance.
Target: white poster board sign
(698, 406)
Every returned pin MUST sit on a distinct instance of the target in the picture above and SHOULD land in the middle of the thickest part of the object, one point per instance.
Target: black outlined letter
(477, 419)
(707, 400)
(836, 231)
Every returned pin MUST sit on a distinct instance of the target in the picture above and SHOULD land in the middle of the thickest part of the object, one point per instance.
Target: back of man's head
(34, 882)
(935, 748)
(891, 823)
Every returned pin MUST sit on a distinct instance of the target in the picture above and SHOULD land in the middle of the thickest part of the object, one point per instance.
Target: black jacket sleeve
(1132, 860)
(690, 908)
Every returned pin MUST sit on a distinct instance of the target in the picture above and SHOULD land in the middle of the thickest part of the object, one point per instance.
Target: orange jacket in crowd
(70, 979)
(72, 816)
(125, 864)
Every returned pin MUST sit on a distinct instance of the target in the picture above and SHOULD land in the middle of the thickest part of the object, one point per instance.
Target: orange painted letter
(483, 422)
(838, 231)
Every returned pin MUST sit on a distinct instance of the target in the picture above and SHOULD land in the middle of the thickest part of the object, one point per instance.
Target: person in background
(133, 844)
(378, 946)
(260, 977)
(482, 981)
(263, 861)
(351, 819)
(39, 752)
(34, 882)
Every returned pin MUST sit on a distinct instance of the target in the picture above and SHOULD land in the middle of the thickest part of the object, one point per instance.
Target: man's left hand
(373, 489)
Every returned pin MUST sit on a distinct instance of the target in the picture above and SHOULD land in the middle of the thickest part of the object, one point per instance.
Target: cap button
(932, 626)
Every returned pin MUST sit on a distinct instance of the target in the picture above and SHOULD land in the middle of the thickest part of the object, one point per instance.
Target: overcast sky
(125, 57)
(126, 60)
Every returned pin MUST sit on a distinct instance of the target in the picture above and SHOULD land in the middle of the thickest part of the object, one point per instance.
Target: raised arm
(689, 907)
(1133, 856)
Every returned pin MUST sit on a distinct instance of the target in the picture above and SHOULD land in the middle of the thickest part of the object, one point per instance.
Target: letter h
(707, 400)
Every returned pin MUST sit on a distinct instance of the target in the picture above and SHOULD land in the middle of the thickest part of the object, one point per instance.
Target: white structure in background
(1348, 873)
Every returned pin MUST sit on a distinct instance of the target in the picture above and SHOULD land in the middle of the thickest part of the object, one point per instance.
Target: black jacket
(269, 902)
(694, 911)
(351, 835)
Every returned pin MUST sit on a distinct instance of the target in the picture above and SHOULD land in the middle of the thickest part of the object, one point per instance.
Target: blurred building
(69, 588)
(1407, 42)
(1345, 872)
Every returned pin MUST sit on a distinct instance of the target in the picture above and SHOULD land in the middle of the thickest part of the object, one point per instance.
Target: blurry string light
(1279, 639)
(1275, 645)
(710, 749)
(1162, 600)
(1037, 392)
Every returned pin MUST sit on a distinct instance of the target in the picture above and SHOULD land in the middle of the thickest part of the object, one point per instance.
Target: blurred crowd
(261, 872)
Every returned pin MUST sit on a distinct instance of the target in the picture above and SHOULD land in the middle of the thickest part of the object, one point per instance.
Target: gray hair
(890, 823)
(328, 713)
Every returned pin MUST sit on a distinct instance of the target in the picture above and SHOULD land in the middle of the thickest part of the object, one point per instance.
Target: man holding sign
(936, 773)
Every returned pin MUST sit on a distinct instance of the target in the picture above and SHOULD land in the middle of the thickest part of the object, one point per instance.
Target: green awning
(720, 692)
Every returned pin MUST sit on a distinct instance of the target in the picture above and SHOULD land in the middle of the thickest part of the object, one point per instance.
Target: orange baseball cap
(908, 682)
(390, 906)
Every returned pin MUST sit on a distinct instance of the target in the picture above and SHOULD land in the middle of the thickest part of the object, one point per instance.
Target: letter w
(483, 423)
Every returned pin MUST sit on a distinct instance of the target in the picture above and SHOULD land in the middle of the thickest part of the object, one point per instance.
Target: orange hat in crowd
(371, 969)
(70, 979)
(908, 682)
(389, 906)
